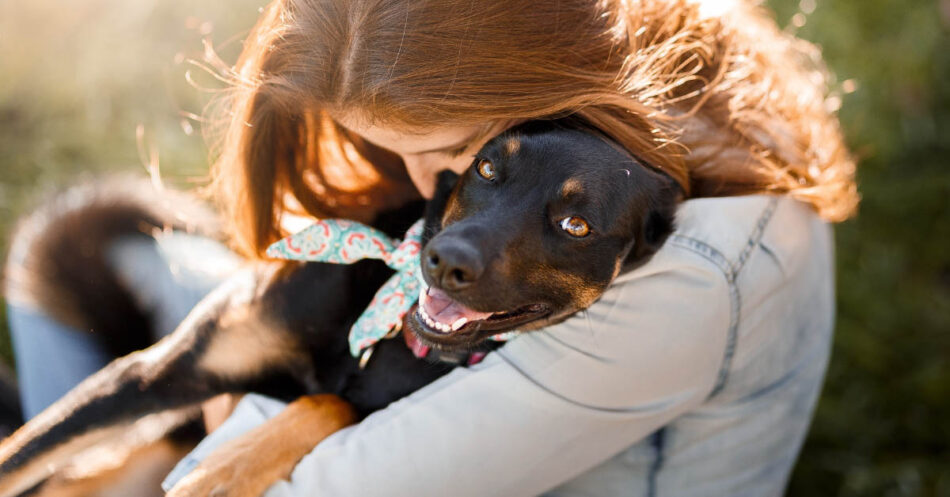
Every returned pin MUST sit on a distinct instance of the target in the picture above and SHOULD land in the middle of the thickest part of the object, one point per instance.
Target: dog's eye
(575, 226)
(486, 169)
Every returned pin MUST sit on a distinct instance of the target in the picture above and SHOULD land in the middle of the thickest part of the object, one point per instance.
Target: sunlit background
(90, 86)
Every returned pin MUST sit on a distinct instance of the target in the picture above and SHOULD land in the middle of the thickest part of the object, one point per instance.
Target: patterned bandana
(339, 241)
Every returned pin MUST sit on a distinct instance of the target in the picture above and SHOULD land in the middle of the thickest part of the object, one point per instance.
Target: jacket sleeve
(547, 406)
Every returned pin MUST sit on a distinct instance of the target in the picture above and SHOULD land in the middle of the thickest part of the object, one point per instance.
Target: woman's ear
(657, 223)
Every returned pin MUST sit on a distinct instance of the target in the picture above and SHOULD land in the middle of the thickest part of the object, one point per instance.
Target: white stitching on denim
(756, 236)
(717, 258)
(731, 273)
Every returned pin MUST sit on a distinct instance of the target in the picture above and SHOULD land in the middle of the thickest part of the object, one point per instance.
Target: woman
(695, 374)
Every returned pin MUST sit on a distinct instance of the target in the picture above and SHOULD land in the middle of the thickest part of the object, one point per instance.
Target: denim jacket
(694, 375)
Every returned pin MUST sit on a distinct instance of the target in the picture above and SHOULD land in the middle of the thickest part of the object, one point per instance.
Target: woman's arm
(548, 405)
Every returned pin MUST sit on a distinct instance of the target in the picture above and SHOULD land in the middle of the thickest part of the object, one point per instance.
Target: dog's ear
(657, 223)
(444, 186)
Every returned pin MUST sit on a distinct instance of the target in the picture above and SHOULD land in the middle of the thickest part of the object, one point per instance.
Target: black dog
(534, 231)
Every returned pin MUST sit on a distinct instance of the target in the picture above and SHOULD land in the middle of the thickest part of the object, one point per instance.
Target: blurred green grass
(75, 85)
(78, 82)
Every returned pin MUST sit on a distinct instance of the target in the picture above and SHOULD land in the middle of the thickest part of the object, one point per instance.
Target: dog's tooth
(425, 316)
(460, 322)
(422, 297)
(429, 320)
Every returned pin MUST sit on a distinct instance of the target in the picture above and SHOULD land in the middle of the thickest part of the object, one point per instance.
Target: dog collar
(422, 351)
(339, 241)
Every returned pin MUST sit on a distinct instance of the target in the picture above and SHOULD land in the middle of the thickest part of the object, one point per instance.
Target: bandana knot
(339, 241)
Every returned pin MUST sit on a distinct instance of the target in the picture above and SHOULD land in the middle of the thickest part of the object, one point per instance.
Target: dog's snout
(451, 263)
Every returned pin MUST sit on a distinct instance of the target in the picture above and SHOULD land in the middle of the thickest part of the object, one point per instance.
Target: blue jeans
(167, 276)
(51, 358)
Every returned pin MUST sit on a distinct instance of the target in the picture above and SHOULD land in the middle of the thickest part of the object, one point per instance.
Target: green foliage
(79, 80)
(882, 426)
(77, 84)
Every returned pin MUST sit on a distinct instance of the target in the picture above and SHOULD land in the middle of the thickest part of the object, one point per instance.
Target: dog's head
(534, 231)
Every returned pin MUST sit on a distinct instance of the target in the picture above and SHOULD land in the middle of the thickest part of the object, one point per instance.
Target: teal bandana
(340, 241)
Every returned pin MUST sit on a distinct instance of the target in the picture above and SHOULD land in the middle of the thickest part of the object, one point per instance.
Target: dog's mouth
(442, 318)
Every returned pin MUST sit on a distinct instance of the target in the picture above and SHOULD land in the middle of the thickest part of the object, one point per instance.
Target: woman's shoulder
(727, 230)
(738, 252)
(720, 237)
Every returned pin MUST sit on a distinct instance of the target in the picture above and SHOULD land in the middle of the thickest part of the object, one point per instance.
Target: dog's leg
(248, 465)
(225, 345)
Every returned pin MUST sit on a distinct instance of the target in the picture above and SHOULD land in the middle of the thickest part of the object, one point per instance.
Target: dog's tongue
(443, 309)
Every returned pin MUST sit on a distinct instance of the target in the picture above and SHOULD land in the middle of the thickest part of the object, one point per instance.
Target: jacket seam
(756, 236)
(731, 272)
(658, 442)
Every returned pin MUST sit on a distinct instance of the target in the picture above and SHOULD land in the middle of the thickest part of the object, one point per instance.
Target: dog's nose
(452, 263)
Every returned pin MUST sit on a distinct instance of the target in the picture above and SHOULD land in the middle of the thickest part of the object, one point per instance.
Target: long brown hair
(723, 102)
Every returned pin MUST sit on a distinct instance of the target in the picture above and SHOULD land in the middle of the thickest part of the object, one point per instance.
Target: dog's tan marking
(512, 146)
(618, 265)
(236, 469)
(246, 344)
(571, 187)
(452, 211)
(582, 292)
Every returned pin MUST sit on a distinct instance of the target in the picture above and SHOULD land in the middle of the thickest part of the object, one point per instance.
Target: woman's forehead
(413, 141)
